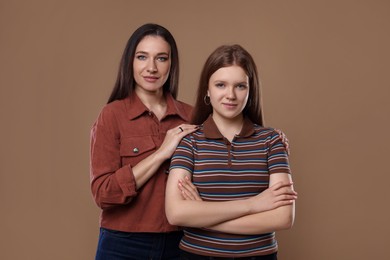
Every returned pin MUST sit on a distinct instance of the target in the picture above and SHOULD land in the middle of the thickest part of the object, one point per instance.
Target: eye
(219, 85)
(140, 57)
(242, 86)
(162, 58)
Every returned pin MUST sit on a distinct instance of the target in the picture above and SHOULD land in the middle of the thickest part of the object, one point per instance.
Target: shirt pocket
(135, 149)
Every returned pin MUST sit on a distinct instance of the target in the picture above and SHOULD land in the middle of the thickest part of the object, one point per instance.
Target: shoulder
(267, 130)
(274, 136)
(196, 136)
(184, 105)
(111, 111)
(263, 130)
(116, 105)
(184, 108)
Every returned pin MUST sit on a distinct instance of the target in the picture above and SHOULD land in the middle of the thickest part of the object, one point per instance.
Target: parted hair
(125, 84)
(225, 56)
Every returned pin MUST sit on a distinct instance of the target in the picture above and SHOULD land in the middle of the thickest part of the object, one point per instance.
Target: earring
(205, 100)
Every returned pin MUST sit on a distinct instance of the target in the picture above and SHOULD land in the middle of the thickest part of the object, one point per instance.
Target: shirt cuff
(126, 181)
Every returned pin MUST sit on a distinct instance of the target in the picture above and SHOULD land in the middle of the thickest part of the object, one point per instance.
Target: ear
(208, 93)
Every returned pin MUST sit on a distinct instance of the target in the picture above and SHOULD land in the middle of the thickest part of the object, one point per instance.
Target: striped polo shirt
(222, 171)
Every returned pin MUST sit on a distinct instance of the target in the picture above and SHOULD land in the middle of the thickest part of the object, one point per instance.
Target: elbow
(174, 215)
(173, 221)
(173, 218)
(99, 201)
(107, 200)
(287, 221)
(97, 196)
(285, 218)
(110, 203)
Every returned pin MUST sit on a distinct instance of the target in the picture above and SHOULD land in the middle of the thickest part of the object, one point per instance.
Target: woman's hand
(172, 139)
(278, 195)
(284, 140)
(146, 168)
(188, 189)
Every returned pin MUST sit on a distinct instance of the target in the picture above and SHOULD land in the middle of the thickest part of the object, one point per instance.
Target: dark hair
(225, 56)
(125, 84)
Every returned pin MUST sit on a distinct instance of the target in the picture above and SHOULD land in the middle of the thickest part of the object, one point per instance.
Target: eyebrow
(160, 53)
(239, 82)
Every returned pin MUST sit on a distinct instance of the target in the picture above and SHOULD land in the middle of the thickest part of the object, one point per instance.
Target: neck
(152, 100)
(229, 127)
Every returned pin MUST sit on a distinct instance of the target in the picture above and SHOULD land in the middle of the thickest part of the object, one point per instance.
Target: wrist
(159, 156)
(253, 206)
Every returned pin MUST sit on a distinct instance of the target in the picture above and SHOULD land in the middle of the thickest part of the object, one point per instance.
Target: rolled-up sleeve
(112, 183)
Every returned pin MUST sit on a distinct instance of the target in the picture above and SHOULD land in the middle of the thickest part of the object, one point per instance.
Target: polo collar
(211, 130)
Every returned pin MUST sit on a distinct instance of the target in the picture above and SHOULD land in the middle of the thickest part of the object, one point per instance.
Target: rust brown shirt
(125, 133)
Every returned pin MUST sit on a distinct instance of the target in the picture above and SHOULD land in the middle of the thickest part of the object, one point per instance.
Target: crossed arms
(269, 211)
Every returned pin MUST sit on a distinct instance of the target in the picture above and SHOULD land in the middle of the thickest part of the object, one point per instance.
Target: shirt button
(136, 150)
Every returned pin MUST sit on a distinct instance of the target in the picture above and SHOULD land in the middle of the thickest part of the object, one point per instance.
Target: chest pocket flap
(135, 146)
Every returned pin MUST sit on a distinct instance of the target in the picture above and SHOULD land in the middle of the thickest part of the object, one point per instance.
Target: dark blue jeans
(117, 245)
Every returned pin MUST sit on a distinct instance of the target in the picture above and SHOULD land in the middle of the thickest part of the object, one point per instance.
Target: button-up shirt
(125, 133)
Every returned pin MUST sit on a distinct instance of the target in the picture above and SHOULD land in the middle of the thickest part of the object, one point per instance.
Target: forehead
(230, 73)
(153, 44)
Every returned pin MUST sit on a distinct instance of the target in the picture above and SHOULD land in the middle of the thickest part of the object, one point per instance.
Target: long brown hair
(125, 84)
(225, 56)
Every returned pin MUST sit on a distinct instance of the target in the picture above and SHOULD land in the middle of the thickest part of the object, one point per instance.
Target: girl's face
(151, 65)
(228, 90)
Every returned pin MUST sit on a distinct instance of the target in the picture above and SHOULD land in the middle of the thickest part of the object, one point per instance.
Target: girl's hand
(188, 189)
(278, 195)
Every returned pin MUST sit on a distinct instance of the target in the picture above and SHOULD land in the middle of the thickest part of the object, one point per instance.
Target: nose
(231, 94)
(152, 66)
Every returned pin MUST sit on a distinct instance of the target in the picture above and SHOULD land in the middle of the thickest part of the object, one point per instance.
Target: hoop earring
(205, 100)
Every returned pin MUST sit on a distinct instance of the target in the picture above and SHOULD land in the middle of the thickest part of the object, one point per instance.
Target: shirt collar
(211, 130)
(136, 108)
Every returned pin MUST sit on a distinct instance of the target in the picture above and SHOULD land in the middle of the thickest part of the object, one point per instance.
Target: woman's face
(228, 90)
(151, 65)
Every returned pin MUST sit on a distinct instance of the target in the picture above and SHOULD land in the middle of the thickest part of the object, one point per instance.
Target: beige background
(325, 74)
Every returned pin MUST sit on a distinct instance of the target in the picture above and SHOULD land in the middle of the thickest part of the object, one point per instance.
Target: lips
(228, 105)
(150, 78)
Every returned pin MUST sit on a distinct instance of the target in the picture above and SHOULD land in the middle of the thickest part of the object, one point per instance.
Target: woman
(132, 142)
(239, 168)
